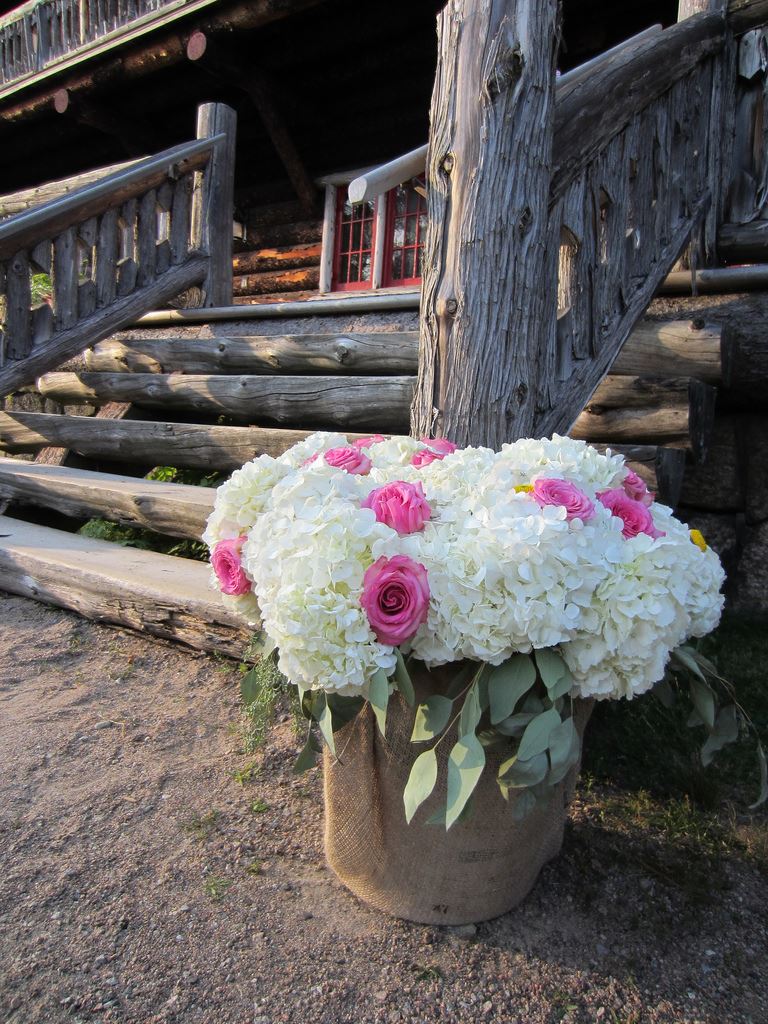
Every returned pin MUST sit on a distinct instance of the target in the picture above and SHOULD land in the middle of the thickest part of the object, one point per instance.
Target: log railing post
(489, 296)
(215, 202)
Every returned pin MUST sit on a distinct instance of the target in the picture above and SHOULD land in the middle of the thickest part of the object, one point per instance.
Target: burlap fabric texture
(475, 871)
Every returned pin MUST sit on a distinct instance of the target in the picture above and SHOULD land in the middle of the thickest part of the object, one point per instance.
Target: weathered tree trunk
(487, 298)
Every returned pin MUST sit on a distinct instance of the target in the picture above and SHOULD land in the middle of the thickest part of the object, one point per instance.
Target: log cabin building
(325, 93)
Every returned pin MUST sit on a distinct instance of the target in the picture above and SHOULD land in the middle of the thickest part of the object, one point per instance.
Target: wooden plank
(18, 295)
(54, 456)
(716, 280)
(481, 331)
(743, 243)
(143, 590)
(217, 123)
(146, 238)
(145, 443)
(106, 259)
(179, 510)
(267, 282)
(639, 392)
(604, 103)
(744, 15)
(180, 219)
(279, 257)
(28, 198)
(350, 402)
(65, 279)
(390, 353)
(68, 343)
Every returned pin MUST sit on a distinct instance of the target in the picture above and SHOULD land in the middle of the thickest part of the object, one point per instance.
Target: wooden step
(159, 594)
(179, 510)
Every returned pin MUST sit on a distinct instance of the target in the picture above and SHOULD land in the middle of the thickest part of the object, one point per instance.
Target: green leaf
(536, 735)
(325, 721)
(517, 774)
(532, 704)
(686, 658)
(507, 683)
(554, 672)
(470, 712)
(431, 718)
(524, 803)
(726, 730)
(761, 760)
(403, 680)
(421, 782)
(378, 695)
(438, 817)
(514, 726)
(664, 693)
(704, 702)
(564, 746)
(465, 766)
(250, 686)
(307, 758)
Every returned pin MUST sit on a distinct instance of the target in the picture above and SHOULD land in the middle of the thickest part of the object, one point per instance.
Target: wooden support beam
(219, 60)
(301, 279)
(355, 403)
(178, 510)
(744, 15)
(282, 257)
(743, 243)
(493, 96)
(213, 205)
(159, 594)
(144, 442)
(359, 354)
(134, 139)
(676, 348)
(55, 456)
(716, 281)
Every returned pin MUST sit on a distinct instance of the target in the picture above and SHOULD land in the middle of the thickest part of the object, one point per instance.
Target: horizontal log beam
(280, 257)
(298, 280)
(615, 392)
(28, 198)
(392, 353)
(743, 243)
(715, 281)
(744, 15)
(676, 348)
(178, 510)
(145, 443)
(362, 403)
(122, 312)
(159, 594)
(379, 180)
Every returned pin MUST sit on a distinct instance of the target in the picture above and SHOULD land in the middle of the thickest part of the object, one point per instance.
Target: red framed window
(406, 228)
(355, 240)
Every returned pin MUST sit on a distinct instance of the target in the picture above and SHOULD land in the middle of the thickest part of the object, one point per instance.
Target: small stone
(307, 916)
(103, 725)
(464, 931)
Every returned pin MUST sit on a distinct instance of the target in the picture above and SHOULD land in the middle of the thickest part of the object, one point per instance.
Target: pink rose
(636, 488)
(438, 448)
(353, 460)
(395, 598)
(309, 461)
(366, 442)
(561, 492)
(225, 559)
(400, 505)
(634, 514)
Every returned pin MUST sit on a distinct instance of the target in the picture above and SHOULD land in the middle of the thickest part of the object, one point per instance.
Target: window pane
(365, 269)
(410, 231)
(344, 247)
(367, 234)
(409, 262)
(343, 272)
(397, 264)
(354, 267)
(399, 235)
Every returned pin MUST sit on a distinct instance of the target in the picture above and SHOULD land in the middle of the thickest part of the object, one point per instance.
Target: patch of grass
(202, 826)
(146, 540)
(429, 973)
(196, 477)
(246, 774)
(255, 868)
(259, 806)
(216, 887)
(260, 687)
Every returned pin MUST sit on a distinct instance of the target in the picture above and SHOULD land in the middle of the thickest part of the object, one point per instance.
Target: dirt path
(140, 882)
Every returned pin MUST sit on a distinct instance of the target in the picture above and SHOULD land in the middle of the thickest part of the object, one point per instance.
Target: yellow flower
(520, 488)
(698, 539)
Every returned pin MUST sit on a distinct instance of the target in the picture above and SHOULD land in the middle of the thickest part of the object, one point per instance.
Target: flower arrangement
(545, 572)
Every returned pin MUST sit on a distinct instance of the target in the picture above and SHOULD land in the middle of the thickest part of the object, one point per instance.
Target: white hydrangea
(504, 574)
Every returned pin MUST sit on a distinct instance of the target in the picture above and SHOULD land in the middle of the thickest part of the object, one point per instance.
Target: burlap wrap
(477, 870)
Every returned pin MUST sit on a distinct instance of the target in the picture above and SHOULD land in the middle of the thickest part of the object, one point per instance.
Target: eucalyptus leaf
(664, 693)
(704, 702)
(307, 758)
(761, 760)
(460, 680)
(525, 802)
(536, 736)
(686, 657)
(694, 719)
(507, 683)
(465, 766)
(470, 712)
(726, 730)
(564, 748)
(325, 721)
(554, 673)
(438, 817)
(514, 726)
(378, 695)
(517, 774)
(533, 704)
(431, 718)
(249, 686)
(421, 782)
(403, 679)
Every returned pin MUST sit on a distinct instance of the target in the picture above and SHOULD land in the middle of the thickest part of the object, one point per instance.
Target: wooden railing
(42, 32)
(80, 267)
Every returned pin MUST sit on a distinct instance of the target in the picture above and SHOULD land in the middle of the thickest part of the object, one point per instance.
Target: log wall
(280, 260)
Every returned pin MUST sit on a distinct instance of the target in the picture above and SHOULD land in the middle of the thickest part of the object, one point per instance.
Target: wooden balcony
(43, 37)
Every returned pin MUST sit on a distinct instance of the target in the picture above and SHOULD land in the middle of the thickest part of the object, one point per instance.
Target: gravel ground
(141, 882)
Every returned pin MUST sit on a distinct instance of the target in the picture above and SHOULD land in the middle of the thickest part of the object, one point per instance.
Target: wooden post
(489, 294)
(217, 202)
